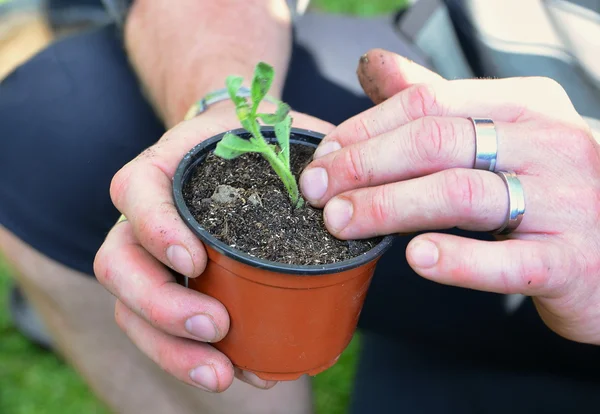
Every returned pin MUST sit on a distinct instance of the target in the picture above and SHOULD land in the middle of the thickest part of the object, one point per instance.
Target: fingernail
(202, 327)
(326, 148)
(205, 377)
(424, 254)
(338, 213)
(253, 379)
(181, 260)
(314, 183)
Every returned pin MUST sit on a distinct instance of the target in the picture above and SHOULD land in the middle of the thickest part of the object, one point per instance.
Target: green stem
(286, 177)
(284, 173)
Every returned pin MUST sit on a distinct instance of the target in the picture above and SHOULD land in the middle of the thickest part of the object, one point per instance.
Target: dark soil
(243, 203)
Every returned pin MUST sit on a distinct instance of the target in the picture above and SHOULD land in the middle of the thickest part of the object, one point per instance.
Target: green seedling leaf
(234, 83)
(282, 132)
(232, 146)
(271, 119)
(278, 156)
(261, 83)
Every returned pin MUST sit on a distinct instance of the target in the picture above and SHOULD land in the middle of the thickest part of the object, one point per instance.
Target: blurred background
(36, 381)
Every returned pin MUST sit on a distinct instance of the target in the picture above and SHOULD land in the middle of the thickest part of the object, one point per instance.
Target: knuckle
(355, 165)
(582, 150)
(102, 270)
(151, 311)
(362, 131)
(153, 308)
(109, 271)
(108, 253)
(533, 270)
(160, 313)
(584, 203)
(420, 101)
(462, 192)
(584, 145)
(548, 85)
(549, 97)
(119, 185)
(382, 206)
(99, 266)
(434, 140)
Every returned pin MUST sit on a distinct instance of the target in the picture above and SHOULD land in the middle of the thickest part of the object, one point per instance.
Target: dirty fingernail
(253, 379)
(205, 377)
(181, 260)
(326, 148)
(424, 254)
(314, 183)
(202, 327)
(338, 213)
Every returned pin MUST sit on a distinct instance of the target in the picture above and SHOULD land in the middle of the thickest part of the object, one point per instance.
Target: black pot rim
(197, 154)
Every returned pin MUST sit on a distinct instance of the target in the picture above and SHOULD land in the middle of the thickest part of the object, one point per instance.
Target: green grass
(359, 7)
(33, 381)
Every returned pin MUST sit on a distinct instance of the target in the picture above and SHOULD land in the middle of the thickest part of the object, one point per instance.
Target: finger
(146, 287)
(503, 100)
(387, 73)
(467, 199)
(194, 363)
(142, 189)
(529, 267)
(383, 74)
(253, 379)
(418, 148)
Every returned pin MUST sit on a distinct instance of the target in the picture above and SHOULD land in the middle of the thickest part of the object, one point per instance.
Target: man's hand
(406, 166)
(173, 325)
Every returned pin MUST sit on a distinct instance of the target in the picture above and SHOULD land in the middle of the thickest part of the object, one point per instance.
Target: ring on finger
(486, 144)
(516, 202)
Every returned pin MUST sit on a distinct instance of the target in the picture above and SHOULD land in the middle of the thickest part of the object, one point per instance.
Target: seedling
(278, 156)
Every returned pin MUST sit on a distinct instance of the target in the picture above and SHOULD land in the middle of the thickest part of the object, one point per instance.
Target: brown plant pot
(286, 320)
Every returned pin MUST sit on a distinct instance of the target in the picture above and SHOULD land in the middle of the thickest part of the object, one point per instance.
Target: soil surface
(243, 203)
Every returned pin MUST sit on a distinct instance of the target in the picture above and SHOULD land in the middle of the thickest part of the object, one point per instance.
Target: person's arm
(182, 50)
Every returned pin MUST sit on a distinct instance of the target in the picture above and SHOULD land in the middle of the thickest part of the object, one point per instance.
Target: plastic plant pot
(286, 320)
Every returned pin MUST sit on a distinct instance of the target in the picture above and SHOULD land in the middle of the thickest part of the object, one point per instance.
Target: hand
(171, 324)
(406, 165)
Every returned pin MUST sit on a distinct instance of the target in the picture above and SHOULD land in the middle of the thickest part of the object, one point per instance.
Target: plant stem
(286, 177)
(284, 173)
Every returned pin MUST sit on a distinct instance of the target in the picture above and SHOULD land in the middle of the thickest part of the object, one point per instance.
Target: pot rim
(196, 155)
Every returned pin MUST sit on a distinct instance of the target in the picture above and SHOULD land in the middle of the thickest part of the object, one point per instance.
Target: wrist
(181, 96)
(182, 53)
(225, 110)
(218, 96)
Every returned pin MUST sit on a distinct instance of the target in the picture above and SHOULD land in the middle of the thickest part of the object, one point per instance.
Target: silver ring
(486, 144)
(516, 202)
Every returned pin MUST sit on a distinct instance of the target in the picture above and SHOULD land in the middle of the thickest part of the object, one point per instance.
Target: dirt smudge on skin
(367, 67)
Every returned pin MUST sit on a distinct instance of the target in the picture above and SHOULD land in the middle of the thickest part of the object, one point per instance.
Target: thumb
(382, 74)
